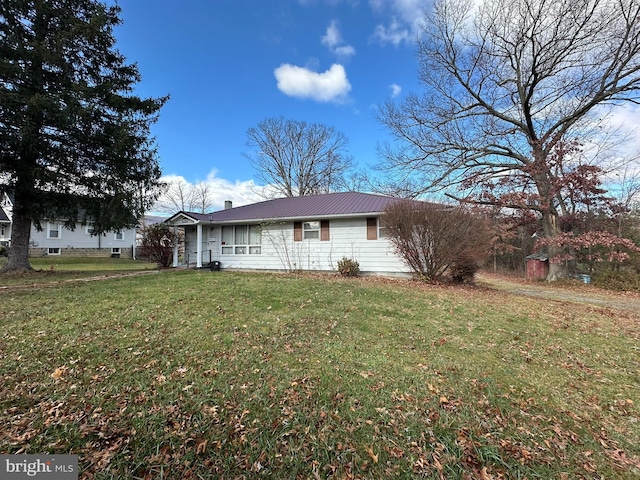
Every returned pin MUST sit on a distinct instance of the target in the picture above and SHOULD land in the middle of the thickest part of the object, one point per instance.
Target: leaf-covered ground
(236, 375)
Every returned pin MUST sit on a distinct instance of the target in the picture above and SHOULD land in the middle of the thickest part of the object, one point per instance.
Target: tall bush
(432, 239)
(158, 242)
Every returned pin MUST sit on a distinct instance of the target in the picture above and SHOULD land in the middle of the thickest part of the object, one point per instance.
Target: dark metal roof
(3, 216)
(312, 206)
(543, 257)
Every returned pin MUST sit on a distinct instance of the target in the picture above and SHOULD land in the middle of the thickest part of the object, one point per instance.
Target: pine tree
(75, 142)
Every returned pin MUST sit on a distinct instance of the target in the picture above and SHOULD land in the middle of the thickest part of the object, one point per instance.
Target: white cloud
(345, 51)
(395, 90)
(332, 38)
(405, 23)
(300, 82)
(333, 41)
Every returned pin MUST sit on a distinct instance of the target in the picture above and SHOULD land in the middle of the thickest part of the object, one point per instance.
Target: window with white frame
(375, 228)
(54, 230)
(241, 240)
(115, 251)
(118, 235)
(2, 230)
(89, 229)
(255, 239)
(53, 251)
(310, 230)
(382, 229)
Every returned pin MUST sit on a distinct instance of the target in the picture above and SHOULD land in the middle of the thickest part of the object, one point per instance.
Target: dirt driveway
(578, 293)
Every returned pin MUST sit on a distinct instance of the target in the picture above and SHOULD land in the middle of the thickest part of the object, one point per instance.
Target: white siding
(347, 238)
(79, 238)
(5, 232)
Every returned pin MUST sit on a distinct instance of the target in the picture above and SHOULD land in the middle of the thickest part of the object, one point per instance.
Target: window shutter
(324, 230)
(297, 231)
(372, 228)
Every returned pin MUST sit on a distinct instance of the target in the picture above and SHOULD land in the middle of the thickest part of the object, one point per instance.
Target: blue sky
(228, 64)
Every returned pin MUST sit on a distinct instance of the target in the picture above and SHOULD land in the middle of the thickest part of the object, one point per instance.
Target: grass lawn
(54, 269)
(198, 374)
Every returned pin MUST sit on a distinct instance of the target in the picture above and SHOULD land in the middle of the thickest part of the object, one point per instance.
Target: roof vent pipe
(228, 204)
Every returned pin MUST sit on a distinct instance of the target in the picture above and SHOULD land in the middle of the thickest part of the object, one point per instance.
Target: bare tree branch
(508, 85)
(298, 158)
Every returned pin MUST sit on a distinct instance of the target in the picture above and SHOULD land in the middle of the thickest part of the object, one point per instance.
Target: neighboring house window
(375, 228)
(119, 235)
(53, 230)
(241, 239)
(53, 250)
(2, 231)
(89, 229)
(115, 250)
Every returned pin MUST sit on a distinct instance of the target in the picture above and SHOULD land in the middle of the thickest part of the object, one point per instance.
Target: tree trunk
(551, 230)
(18, 258)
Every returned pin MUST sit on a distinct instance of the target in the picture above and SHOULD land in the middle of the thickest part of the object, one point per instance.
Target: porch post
(199, 245)
(175, 246)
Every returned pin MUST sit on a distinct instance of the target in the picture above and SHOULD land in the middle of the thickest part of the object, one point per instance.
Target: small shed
(537, 266)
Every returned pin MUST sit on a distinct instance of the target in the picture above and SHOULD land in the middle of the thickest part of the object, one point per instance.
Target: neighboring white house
(56, 239)
(297, 233)
(6, 210)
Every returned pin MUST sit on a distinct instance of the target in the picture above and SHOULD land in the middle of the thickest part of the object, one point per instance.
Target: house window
(53, 251)
(53, 230)
(89, 229)
(255, 239)
(227, 240)
(115, 251)
(375, 228)
(310, 230)
(118, 235)
(241, 240)
(2, 230)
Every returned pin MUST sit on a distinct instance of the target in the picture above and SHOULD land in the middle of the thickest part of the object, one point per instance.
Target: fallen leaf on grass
(58, 373)
(621, 458)
(373, 456)
(201, 447)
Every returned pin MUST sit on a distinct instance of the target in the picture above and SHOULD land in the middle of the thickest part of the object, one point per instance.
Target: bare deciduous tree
(201, 197)
(508, 84)
(180, 195)
(299, 158)
(177, 197)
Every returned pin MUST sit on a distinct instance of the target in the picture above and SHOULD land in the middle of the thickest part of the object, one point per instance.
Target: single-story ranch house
(289, 234)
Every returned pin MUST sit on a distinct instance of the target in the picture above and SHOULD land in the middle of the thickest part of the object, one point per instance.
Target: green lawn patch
(195, 374)
(54, 269)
